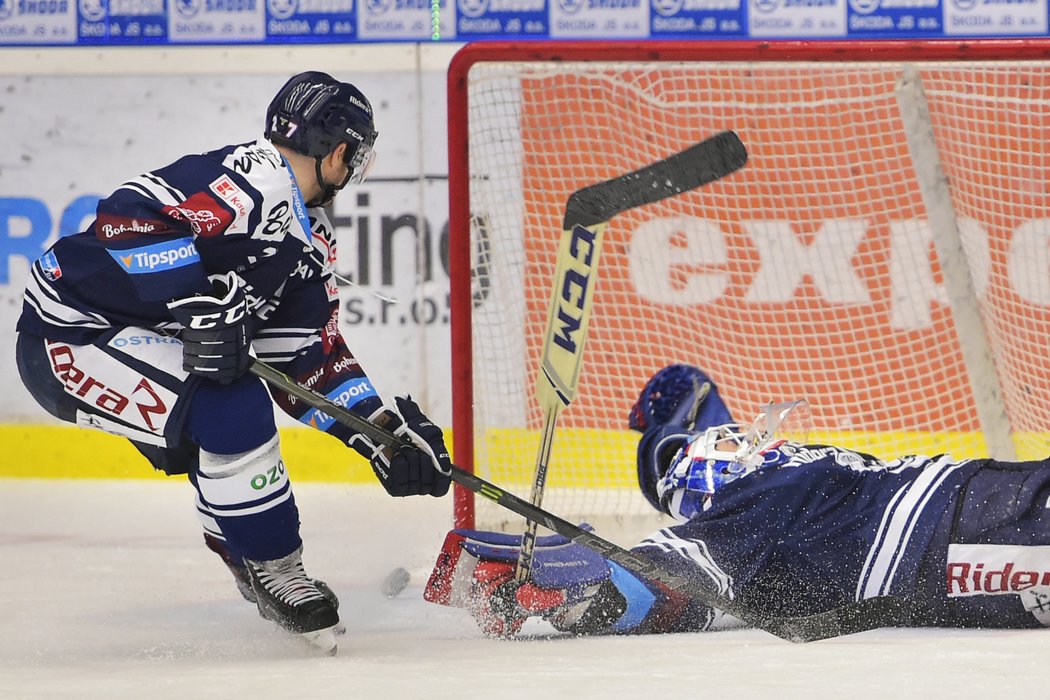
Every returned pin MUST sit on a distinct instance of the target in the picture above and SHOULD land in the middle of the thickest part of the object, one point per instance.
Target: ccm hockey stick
(587, 214)
(848, 619)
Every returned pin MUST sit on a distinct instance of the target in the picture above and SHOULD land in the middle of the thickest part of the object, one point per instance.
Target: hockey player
(141, 326)
(780, 527)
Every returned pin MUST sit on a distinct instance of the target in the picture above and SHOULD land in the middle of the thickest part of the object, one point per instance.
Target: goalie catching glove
(216, 330)
(424, 468)
(576, 590)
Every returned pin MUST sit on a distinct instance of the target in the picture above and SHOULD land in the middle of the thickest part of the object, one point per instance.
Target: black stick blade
(707, 161)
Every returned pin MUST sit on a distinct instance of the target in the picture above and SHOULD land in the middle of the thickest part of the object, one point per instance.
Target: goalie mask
(678, 402)
(725, 453)
(706, 463)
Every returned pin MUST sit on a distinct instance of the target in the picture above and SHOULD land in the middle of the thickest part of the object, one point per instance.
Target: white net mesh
(811, 273)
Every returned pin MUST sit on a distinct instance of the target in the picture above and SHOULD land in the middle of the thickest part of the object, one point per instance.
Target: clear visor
(787, 421)
(360, 164)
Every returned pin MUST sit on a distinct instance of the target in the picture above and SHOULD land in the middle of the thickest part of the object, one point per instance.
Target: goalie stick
(848, 619)
(587, 214)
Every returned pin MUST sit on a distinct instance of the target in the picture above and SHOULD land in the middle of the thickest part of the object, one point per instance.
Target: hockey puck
(395, 582)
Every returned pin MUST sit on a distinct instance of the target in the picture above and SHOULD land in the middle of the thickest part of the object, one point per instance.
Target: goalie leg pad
(571, 586)
(450, 581)
(558, 563)
(493, 600)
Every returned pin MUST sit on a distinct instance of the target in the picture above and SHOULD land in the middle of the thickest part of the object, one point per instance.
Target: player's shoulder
(830, 457)
(258, 162)
(254, 170)
(193, 172)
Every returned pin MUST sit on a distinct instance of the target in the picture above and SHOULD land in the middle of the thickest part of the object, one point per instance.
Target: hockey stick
(587, 214)
(848, 619)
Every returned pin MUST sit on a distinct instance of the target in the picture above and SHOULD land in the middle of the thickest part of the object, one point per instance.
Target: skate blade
(323, 640)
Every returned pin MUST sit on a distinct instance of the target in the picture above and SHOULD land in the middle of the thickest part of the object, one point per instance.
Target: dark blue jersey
(828, 527)
(162, 235)
(962, 543)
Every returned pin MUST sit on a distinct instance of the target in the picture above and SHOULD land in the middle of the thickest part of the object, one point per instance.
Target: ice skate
(243, 580)
(287, 596)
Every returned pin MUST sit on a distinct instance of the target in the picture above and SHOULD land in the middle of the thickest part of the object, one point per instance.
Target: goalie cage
(885, 253)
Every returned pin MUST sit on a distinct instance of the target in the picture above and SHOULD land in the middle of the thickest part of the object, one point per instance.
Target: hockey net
(885, 253)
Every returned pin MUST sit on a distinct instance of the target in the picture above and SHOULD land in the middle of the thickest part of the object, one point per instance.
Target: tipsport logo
(158, 257)
(346, 395)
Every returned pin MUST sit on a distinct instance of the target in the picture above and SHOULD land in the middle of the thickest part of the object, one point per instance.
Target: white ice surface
(107, 592)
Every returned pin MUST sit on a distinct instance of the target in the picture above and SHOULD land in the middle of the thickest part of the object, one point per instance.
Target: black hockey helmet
(313, 113)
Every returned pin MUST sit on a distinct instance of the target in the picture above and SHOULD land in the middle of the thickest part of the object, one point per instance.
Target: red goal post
(885, 253)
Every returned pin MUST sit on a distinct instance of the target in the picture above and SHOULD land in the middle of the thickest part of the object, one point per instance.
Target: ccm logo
(572, 292)
(219, 319)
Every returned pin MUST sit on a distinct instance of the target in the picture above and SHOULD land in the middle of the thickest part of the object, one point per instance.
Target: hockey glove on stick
(571, 587)
(216, 335)
(424, 468)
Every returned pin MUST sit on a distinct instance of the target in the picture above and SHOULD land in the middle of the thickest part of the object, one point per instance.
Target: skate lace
(290, 585)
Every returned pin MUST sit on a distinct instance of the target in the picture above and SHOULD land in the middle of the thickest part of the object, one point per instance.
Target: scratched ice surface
(107, 592)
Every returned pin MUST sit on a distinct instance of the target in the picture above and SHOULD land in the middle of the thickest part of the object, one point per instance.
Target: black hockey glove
(420, 470)
(216, 335)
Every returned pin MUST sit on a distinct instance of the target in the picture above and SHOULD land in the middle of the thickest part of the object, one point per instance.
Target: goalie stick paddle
(848, 619)
(587, 214)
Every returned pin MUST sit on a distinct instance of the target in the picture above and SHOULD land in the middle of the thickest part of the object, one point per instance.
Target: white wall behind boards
(75, 123)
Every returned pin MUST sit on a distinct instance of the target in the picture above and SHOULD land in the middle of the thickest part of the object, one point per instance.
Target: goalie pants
(988, 564)
(130, 382)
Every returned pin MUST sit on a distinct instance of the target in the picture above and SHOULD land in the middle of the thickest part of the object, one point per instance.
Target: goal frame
(460, 254)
